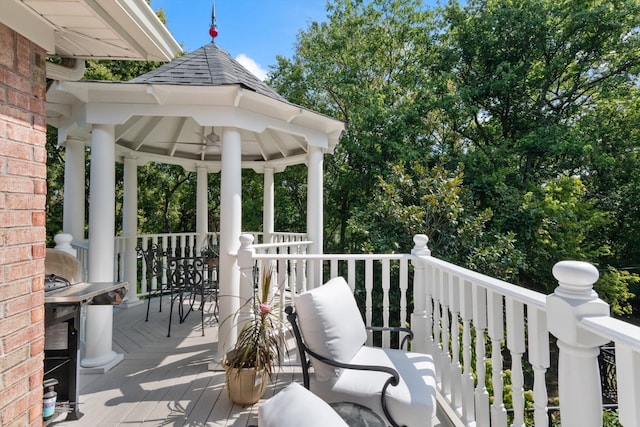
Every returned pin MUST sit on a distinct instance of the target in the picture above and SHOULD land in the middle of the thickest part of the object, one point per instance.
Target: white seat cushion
(411, 403)
(331, 324)
(296, 406)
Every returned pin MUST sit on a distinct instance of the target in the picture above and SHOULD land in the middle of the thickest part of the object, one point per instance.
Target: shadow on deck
(164, 381)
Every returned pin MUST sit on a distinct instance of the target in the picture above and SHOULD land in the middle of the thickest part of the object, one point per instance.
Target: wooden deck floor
(164, 381)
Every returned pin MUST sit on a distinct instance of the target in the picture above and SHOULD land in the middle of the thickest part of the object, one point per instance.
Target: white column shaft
(268, 206)
(99, 323)
(202, 207)
(315, 211)
(230, 229)
(73, 210)
(130, 228)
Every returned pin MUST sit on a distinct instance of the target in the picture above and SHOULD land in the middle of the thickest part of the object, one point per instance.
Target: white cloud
(252, 66)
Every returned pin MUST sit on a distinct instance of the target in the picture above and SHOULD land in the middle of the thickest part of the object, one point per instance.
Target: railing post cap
(575, 278)
(246, 239)
(420, 245)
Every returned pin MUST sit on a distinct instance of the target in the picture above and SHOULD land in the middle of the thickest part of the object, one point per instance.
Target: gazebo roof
(177, 112)
(208, 66)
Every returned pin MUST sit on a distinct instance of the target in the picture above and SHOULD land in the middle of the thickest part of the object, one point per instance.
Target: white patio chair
(398, 385)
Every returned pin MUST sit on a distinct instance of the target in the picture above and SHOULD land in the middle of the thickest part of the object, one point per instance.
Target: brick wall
(22, 228)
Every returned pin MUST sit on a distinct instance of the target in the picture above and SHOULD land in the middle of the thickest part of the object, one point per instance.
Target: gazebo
(205, 112)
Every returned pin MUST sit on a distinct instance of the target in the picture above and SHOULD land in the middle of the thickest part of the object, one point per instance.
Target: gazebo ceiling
(168, 116)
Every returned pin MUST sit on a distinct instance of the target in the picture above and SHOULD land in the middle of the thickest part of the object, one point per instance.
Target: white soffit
(114, 29)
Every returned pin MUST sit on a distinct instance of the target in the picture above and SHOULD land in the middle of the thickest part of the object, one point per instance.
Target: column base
(89, 366)
(128, 303)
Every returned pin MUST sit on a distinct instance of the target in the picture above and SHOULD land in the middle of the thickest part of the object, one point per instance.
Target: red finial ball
(213, 32)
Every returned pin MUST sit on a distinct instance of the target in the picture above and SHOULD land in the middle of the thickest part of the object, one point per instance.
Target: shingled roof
(207, 66)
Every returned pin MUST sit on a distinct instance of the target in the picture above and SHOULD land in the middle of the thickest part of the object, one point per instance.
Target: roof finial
(213, 29)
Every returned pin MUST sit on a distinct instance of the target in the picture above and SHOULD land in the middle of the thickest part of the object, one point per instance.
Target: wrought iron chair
(397, 385)
(153, 263)
(189, 278)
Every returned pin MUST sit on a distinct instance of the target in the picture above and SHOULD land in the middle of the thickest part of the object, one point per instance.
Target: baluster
(334, 268)
(516, 345)
(386, 285)
(496, 334)
(456, 369)
(351, 273)
(368, 283)
(466, 313)
(445, 283)
(628, 378)
(539, 358)
(480, 323)
(437, 355)
(404, 286)
(143, 278)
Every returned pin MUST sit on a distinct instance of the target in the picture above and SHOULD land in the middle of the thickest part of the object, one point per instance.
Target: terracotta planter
(246, 386)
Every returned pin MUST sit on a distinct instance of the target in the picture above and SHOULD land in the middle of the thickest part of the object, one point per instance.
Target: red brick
(38, 282)
(38, 106)
(15, 115)
(39, 91)
(38, 251)
(22, 371)
(19, 133)
(21, 84)
(20, 100)
(40, 124)
(12, 290)
(7, 41)
(20, 271)
(24, 236)
(16, 184)
(38, 219)
(37, 314)
(25, 201)
(40, 153)
(24, 55)
(13, 149)
(22, 304)
(15, 323)
(23, 337)
(37, 346)
(26, 168)
(16, 254)
(10, 219)
(40, 187)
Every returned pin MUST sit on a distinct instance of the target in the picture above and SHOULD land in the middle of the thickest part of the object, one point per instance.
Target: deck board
(165, 381)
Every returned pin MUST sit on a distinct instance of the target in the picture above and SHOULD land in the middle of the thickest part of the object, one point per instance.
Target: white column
(130, 230)
(202, 207)
(230, 229)
(74, 192)
(99, 355)
(315, 212)
(268, 206)
(578, 372)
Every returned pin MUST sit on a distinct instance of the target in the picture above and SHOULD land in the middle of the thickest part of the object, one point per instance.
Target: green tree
(367, 66)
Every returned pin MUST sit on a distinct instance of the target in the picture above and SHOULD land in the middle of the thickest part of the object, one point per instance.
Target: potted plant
(211, 254)
(259, 349)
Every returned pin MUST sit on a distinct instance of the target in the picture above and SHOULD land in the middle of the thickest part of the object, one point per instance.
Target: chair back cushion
(296, 406)
(331, 324)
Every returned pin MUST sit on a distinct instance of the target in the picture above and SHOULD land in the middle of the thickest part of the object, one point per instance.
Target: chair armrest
(407, 331)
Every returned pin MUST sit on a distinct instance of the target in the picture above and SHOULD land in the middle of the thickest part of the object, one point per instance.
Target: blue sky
(252, 31)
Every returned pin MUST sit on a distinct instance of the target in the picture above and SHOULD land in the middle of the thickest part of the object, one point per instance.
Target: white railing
(187, 244)
(486, 335)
